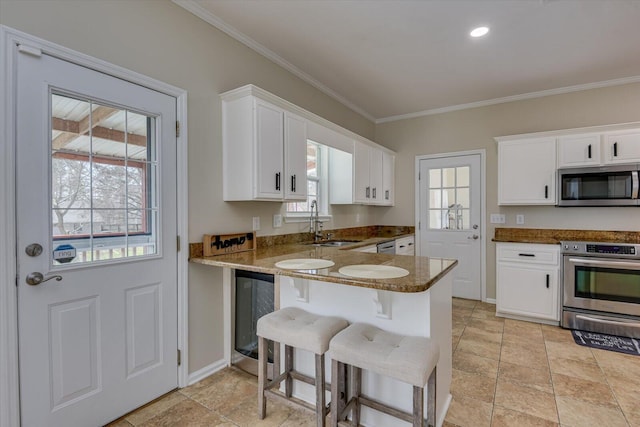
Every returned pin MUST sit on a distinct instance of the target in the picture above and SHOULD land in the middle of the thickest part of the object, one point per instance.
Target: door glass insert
(103, 182)
(449, 198)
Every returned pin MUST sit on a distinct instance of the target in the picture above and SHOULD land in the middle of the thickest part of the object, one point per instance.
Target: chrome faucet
(315, 226)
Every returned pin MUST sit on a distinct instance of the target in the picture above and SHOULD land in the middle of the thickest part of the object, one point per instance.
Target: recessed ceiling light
(479, 32)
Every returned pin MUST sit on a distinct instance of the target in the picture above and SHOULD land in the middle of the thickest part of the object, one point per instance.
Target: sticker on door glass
(64, 254)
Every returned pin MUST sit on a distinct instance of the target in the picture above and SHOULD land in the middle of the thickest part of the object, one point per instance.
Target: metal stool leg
(288, 367)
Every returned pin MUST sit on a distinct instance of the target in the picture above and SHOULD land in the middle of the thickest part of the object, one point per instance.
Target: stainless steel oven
(601, 287)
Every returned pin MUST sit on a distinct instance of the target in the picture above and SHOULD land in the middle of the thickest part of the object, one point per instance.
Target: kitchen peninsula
(419, 303)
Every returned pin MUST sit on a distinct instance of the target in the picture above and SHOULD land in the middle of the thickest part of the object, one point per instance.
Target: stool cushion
(297, 328)
(407, 359)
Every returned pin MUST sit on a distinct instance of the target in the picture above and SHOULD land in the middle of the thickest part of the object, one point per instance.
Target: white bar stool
(408, 359)
(295, 328)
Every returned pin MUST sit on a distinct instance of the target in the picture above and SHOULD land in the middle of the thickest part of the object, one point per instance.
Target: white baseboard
(203, 373)
(490, 301)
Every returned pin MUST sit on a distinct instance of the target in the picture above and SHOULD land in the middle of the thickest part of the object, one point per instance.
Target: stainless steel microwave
(599, 186)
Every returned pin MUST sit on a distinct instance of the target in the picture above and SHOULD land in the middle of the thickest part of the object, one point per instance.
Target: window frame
(322, 170)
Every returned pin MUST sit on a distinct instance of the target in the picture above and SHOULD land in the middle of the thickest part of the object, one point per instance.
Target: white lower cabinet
(405, 246)
(527, 281)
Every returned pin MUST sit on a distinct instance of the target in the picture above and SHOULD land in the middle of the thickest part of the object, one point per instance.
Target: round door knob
(474, 237)
(36, 278)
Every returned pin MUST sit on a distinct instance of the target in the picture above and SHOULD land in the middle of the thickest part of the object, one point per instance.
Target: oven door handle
(612, 264)
(596, 319)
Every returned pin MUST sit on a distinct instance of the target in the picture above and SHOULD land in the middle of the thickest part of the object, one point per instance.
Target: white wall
(160, 39)
(475, 129)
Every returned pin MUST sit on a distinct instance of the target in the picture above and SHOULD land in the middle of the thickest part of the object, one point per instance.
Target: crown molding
(521, 97)
(195, 8)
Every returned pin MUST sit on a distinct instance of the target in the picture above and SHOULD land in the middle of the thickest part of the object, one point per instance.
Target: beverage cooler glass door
(254, 299)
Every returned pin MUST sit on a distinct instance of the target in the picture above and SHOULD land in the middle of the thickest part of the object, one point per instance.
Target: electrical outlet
(277, 221)
(520, 219)
(498, 219)
(256, 223)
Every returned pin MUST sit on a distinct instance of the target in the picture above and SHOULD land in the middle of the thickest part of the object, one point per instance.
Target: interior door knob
(36, 278)
(474, 237)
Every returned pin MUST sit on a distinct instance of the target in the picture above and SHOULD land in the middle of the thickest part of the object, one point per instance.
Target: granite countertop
(423, 272)
(555, 236)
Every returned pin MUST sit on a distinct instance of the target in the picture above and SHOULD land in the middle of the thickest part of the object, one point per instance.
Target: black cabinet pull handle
(589, 151)
(546, 191)
(615, 149)
(293, 183)
(368, 192)
(386, 195)
(547, 281)
(527, 255)
(374, 192)
(278, 181)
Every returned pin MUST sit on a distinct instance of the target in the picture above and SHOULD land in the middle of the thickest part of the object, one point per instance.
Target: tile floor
(505, 373)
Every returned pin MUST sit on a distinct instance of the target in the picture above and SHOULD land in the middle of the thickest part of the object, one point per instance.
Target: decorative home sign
(228, 243)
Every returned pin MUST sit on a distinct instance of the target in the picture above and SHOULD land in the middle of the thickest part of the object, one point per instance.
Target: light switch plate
(277, 221)
(256, 223)
(498, 219)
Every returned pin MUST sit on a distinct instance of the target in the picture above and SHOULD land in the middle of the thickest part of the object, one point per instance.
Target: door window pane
(103, 181)
(449, 198)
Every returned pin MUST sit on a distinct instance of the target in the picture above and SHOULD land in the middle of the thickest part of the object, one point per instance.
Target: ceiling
(395, 59)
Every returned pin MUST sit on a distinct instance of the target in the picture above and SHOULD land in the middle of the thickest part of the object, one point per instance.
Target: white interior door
(450, 215)
(96, 214)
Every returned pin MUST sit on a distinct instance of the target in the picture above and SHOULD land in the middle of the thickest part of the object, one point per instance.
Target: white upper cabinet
(527, 171)
(295, 160)
(364, 177)
(579, 150)
(371, 185)
(622, 147)
(388, 178)
(268, 151)
(264, 151)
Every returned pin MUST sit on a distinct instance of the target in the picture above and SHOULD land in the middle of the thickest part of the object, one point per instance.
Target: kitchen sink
(334, 243)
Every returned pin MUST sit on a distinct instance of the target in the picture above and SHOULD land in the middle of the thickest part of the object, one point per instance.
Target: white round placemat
(371, 271)
(304, 264)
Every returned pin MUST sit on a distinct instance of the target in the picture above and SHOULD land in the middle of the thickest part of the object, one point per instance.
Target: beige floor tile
(455, 340)
(479, 348)
(578, 413)
(503, 417)
(150, 410)
(539, 379)
(534, 342)
(186, 413)
(208, 381)
(577, 369)
(527, 400)
(485, 306)
(489, 325)
(465, 303)
(522, 328)
(633, 418)
(520, 354)
(225, 395)
(618, 364)
(573, 351)
(479, 334)
(246, 414)
(473, 385)
(483, 314)
(473, 364)
(588, 391)
(627, 393)
(468, 412)
(300, 418)
(557, 334)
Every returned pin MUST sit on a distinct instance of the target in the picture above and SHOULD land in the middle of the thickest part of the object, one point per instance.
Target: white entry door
(450, 215)
(96, 233)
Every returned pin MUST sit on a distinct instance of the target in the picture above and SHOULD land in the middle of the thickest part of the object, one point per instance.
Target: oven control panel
(601, 249)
